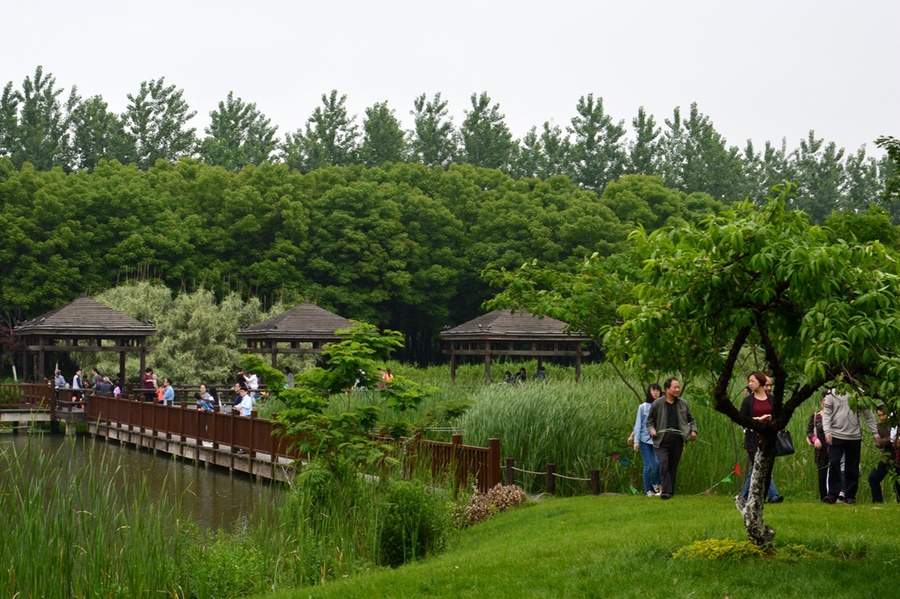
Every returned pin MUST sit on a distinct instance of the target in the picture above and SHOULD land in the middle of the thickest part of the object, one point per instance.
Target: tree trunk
(758, 532)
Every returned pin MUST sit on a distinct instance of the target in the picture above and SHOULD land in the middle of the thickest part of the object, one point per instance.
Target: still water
(214, 498)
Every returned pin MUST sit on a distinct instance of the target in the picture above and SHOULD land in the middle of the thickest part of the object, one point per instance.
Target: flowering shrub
(482, 506)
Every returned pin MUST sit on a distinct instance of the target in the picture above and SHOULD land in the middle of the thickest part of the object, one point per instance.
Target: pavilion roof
(304, 322)
(505, 324)
(85, 317)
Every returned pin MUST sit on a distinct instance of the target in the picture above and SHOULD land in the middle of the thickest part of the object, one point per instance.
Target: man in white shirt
(245, 408)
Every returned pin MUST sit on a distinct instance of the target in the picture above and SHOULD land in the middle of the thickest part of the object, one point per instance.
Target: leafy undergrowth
(618, 546)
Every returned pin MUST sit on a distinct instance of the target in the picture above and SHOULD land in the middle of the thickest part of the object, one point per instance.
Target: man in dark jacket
(670, 423)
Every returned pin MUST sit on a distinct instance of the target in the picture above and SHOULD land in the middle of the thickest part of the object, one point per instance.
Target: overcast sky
(761, 70)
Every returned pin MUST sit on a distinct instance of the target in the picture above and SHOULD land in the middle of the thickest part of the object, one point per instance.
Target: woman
(815, 437)
(644, 443)
(205, 400)
(757, 404)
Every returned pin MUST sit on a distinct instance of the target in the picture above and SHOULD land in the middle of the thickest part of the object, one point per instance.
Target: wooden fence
(184, 421)
(224, 431)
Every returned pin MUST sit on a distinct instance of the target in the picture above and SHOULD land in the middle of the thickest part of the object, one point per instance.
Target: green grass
(616, 546)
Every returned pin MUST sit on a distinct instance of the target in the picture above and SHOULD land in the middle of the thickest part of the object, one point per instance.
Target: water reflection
(214, 498)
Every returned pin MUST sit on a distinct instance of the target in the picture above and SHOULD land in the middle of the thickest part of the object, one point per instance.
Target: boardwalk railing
(184, 421)
(22, 395)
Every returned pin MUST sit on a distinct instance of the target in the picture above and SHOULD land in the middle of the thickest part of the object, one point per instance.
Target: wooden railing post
(494, 463)
(456, 462)
(510, 475)
(595, 482)
(551, 478)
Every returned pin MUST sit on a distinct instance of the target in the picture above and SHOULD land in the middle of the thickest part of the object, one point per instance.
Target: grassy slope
(615, 546)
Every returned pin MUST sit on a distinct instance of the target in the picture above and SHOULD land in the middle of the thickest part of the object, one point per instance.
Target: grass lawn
(618, 546)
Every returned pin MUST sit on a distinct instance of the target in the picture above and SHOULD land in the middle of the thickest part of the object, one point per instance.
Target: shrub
(482, 506)
(415, 521)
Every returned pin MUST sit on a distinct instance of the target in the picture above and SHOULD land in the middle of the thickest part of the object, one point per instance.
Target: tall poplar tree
(238, 135)
(157, 117)
(433, 140)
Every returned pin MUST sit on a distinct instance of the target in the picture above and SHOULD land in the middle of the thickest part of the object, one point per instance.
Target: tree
(695, 157)
(239, 135)
(330, 137)
(383, 138)
(486, 139)
(598, 155)
(542, 156)
(891, 193)
(825, 312)
(644, 152)
(31, 122)
(157, 117)
(434, 141)
(820, 177)
(95, 134)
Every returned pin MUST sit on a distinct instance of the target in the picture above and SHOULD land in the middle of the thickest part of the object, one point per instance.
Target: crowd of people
(664, 424)
(246, 390)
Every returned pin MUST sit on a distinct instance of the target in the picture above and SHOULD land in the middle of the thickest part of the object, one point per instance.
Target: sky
(761, 70)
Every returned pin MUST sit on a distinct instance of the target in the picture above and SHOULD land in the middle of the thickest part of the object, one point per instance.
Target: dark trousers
(669, 454)
(878, 474)
(849, 450)
(823, 481)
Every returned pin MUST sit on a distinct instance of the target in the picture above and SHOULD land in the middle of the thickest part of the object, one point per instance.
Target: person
(77, 382)
(887, 463)
(148, 384)
(507, 377)
(386, 377)
(815, 437)
(105, 386)
(245, 407)
(204, 400)
(670, 424)
(168, 396)
(521, 376)
(59, 381)
(216, 400)
(252, 385)
(237, 393)
(843, 435)
(540, 375)
(644, 443)
(289, 378)
(757, 404)
(96, 378)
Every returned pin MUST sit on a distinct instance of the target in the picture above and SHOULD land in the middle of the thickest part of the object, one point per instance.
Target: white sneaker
(655, 489)
(651, 494)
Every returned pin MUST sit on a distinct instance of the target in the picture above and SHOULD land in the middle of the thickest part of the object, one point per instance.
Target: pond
(213, 497)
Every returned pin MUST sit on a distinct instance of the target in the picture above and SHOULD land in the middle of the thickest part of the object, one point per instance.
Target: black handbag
(784, 444)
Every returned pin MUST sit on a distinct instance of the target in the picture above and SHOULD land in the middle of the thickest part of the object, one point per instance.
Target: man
(77, 383)
(237, 393)
(59, 381)
(670, 422)
(168, 392)
(245, 407)
(843, 436)
(105, 386)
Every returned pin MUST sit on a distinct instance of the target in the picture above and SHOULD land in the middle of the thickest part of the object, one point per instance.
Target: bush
(482, 506)
(415, 521)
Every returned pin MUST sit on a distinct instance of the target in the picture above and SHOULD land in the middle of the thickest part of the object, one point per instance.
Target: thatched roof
(506, 325)
(85, 317)
(305, 322)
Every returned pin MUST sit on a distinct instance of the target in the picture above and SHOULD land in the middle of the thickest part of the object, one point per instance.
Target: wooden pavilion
(504, 333)
(303, 329)
(82, 326)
